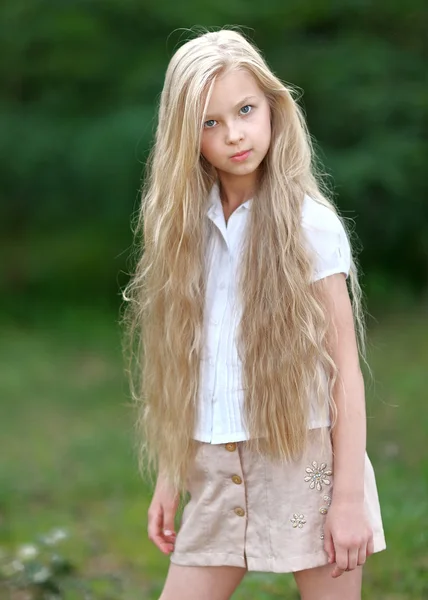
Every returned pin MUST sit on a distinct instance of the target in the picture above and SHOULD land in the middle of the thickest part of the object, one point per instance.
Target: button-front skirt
(247, 511)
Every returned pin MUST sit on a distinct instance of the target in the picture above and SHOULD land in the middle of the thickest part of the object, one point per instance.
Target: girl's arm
(348, 537)
(349, 435)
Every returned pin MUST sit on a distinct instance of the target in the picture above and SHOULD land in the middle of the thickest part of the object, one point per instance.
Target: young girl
(251, 395)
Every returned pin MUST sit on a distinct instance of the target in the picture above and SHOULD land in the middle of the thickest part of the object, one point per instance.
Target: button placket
(221, 305)
(221, 263)
(235, 489)
(217, 319)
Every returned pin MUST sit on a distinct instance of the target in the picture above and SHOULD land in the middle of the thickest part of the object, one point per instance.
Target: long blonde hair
(282, 335)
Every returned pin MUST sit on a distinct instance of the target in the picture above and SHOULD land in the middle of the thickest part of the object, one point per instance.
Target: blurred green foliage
(80, 82)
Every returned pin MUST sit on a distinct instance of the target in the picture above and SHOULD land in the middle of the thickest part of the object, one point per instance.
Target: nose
(234, 134)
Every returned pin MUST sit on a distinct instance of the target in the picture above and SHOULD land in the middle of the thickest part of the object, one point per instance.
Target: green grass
(67, 456)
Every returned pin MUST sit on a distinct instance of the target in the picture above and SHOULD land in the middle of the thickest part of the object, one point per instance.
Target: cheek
(266, 129)
(208, 146)
(205, 146)
(268, 133)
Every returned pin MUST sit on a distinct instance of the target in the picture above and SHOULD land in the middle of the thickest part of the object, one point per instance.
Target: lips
(239, 154)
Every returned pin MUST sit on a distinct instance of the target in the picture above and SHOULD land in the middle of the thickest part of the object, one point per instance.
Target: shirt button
(211, 362)
(239, 511)
(231, 447)
(236, 479)
(215, 322)
(221, 285)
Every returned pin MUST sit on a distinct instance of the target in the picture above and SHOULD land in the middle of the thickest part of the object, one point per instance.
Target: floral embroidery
(298, 520)
(324, 509)
(318, 475)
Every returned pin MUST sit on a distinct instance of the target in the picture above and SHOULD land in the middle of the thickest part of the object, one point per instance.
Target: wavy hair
(282, 338)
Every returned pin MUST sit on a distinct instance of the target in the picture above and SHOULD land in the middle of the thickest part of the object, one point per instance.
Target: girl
(251, 394)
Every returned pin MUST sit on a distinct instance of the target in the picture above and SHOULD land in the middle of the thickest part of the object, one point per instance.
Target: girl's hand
(348, 538)
(161, 516)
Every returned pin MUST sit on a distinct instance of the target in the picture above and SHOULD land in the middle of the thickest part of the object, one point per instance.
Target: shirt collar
(214, 201)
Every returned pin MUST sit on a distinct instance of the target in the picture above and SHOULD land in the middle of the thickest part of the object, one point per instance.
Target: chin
(244, 169)
(247, 169)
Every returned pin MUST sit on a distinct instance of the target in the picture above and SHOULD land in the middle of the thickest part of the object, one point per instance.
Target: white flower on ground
(55, 536)
(14, 567)
(41, 575)
(27, 552)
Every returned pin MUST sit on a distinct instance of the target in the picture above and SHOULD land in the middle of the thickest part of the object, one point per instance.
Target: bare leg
(195, 583)
(318, 584)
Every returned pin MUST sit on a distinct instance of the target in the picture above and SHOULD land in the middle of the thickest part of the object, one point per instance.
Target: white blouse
(221, 395)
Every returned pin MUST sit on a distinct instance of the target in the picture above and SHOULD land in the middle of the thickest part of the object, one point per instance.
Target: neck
(234, 191)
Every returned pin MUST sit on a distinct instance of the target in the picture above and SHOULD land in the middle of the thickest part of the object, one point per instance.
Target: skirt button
(240, 512)
(231, 446)
(236, 479)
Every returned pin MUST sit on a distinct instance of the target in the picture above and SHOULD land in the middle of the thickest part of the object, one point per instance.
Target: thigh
(194, 583)
(318, 584)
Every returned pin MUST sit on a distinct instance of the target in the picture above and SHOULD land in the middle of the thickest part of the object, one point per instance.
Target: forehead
(230, 88)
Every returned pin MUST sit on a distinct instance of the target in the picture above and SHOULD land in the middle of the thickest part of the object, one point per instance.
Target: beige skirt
(247, 511)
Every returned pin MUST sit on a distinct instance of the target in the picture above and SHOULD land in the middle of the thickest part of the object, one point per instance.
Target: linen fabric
(247, 511)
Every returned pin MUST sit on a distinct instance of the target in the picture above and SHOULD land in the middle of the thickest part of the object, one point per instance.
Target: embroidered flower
(298, 520)
(318, 475)
(27, 552)
(324, 509)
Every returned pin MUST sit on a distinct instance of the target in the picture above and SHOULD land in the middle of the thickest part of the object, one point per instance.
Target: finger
(362, 554)
(168, 522)
(154, 522)
(342, 562)
(329, 547)
(352, 559)
(156, 532)
(165, 546)
(336, 572)
(167, 535)
(370, 546)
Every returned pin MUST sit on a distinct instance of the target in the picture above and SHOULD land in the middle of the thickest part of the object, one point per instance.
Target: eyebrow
(243, 102)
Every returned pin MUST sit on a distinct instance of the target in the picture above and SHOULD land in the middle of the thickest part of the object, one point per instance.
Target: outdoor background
(80, 83)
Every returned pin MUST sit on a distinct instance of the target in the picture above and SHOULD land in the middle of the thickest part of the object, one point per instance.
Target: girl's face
(237, 126)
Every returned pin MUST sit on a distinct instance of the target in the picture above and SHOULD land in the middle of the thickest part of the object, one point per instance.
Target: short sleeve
(327, 240)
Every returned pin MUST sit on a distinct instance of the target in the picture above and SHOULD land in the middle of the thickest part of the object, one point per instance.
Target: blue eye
(209, 124)
(246, 109)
